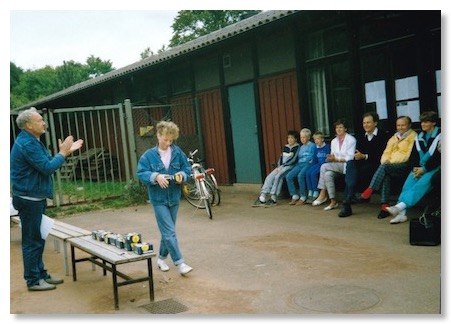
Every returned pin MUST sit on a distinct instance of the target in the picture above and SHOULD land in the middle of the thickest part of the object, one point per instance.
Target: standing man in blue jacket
(31, 169)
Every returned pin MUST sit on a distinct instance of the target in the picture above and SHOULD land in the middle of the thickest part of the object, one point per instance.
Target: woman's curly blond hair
(168, 128)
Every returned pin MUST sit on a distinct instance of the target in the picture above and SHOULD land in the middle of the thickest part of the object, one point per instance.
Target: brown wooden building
(236, 92)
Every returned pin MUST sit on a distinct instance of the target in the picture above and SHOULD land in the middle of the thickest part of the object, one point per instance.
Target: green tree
(70, 73)
(96, 67)
(146, 53)
(191, 24)
(14, 75)
(35, 84)
(31, 85)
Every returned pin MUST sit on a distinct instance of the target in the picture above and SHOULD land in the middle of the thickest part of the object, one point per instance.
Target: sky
(43, 37)
(50, 33)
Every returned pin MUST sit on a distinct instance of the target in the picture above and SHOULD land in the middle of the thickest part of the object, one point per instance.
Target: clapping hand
(69, 146)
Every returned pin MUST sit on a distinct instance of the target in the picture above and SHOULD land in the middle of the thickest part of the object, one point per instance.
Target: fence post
(51, 122)
(124, 142)
(131, 138)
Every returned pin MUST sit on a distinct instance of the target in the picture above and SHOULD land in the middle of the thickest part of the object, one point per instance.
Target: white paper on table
(46, 226)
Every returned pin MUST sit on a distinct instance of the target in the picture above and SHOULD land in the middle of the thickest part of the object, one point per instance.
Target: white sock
(262, 198)
(274, 197)
(295, 197)
(401, 206)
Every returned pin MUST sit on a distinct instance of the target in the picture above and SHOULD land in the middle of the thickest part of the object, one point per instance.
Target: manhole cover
(336, 298)
(167, 306)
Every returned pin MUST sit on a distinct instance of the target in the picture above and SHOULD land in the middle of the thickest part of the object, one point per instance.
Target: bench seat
(61, 232)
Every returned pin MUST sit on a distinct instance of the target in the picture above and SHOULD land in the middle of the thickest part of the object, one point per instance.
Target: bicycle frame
(202, 196)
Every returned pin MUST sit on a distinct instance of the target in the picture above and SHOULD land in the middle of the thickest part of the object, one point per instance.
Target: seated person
(394, 163)
(342, 149)
(426, 158)
(286, 162)
(366, 160)
(319, 157)
(305, 158)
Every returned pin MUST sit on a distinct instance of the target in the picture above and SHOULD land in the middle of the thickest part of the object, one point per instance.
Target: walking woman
(155, 168)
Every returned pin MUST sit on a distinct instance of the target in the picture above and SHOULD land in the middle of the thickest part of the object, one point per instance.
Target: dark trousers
(358, 176)
(32, 243)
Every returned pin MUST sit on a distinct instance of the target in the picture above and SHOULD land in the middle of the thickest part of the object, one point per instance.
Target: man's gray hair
(24, 117)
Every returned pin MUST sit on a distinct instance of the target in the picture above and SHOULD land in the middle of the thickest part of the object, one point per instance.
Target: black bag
(426, 230)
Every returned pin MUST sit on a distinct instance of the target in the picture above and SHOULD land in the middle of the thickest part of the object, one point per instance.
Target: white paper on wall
(406, 88)
(409, 108)
(438, 80)
(375, 92)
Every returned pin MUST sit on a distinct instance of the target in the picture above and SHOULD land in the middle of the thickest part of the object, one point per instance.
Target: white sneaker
(400, 218)
(162, 265)
(184, 268)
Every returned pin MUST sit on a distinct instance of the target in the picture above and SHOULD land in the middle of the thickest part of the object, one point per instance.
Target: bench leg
(116, 295)
(56, 245)
(66, 261)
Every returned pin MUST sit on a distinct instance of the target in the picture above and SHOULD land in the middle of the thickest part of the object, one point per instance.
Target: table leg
(150, 273)
(116, 295)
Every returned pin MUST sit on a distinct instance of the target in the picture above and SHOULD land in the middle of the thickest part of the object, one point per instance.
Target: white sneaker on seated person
(400, 218)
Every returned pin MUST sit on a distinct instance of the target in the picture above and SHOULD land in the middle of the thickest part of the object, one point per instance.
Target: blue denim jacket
(150, 165)
(31, 167)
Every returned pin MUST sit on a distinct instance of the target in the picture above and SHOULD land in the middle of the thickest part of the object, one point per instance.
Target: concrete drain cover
(336, 299)
(167, 306)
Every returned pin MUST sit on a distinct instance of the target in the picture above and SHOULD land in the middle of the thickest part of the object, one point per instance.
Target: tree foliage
(191, 24)
(14, 75)
(30, 85)
(96, 67)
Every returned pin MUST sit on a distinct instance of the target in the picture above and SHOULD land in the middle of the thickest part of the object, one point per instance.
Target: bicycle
(202, 191)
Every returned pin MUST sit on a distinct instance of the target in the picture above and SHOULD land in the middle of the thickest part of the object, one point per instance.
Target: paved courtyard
(279, 260)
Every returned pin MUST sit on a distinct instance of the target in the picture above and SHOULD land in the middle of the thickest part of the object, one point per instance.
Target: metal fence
(184, 114)
(115, 136)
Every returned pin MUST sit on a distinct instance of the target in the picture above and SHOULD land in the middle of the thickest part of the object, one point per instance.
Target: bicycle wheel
(207, 197)
(214, 184)
(192, 194)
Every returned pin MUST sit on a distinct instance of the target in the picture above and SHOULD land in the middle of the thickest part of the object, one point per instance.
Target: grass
(81, 197)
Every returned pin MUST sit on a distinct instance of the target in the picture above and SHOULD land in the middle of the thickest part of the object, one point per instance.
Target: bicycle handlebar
(191, 157)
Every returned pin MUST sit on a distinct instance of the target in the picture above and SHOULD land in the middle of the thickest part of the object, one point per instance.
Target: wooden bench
(109, 257)
(61, 232)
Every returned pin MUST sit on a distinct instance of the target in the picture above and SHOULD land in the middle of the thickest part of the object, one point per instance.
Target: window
(329, 84)
(330, 96)
(327, 42)
(318, 100)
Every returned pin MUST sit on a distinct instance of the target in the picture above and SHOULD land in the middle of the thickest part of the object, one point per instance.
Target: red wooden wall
(280, 112)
